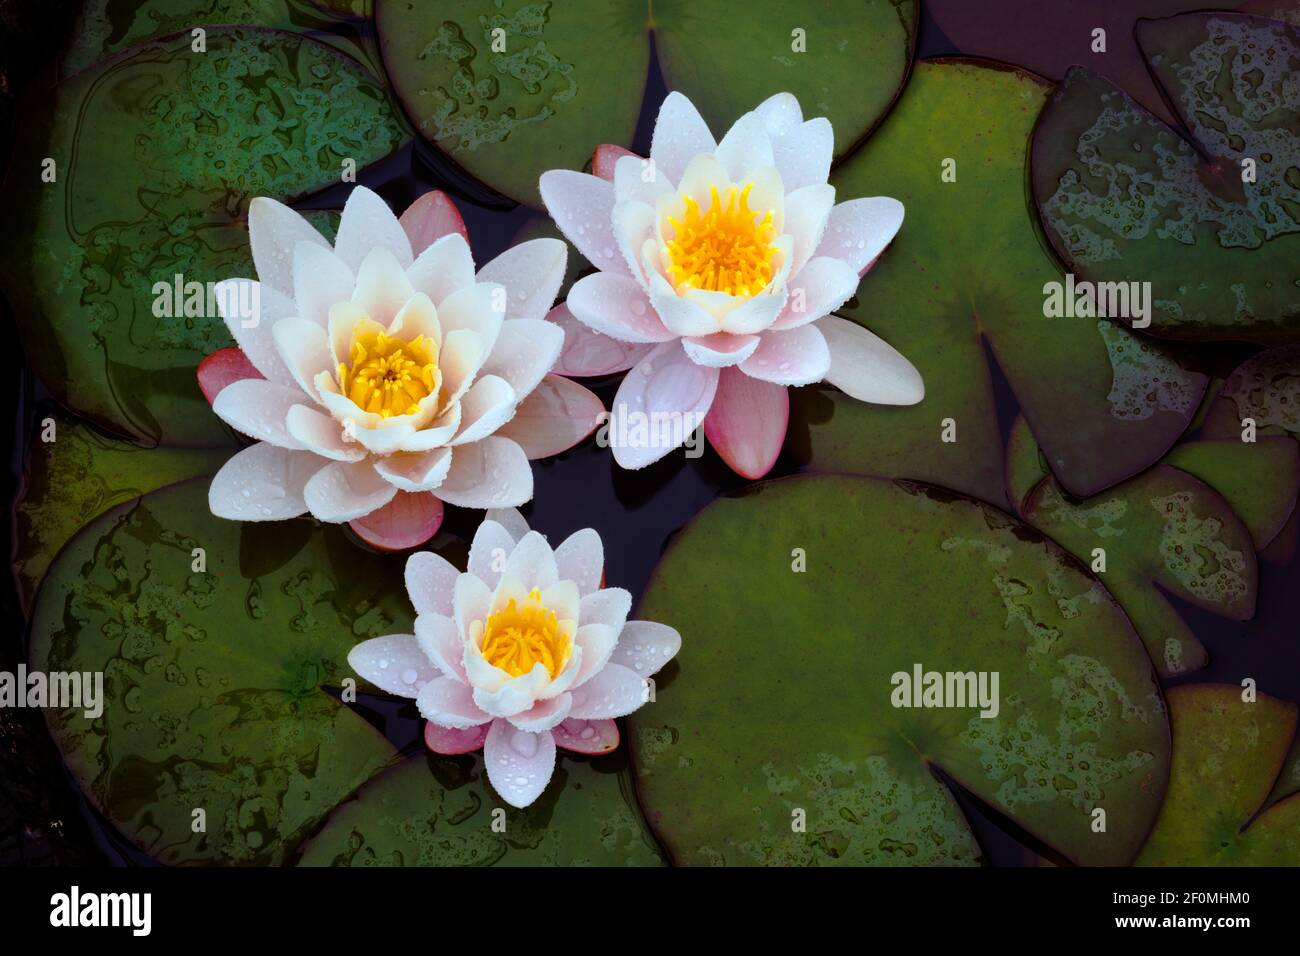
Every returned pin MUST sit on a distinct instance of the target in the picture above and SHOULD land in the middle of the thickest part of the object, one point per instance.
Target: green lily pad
(1266, 389)
(1125, 198)
(1227, 754)
(967, 270)
(157, 154)
(1026, 466)
(78, 476)
(1259, 481)
(1162, 528)
(213, 678)
(563, 78)
(782, 697)
(439, 811)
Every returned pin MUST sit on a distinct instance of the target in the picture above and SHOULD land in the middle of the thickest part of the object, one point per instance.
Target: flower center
(516, 638)
(727, 248)
(388, 376)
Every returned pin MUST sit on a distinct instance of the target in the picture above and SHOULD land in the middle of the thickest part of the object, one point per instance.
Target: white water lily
(388, 368)
(721, 263)
(522, 652)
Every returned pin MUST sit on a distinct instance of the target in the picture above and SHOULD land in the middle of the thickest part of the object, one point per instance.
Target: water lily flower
(522, 653)
(381, 376)
(720, 265)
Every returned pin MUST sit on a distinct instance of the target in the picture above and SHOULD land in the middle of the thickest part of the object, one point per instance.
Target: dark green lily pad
(1259, 481)
(213, 679)
(1266, 389)
(571, 75)
(79, 476)
(158, 153)
(1125, 198)
(781, 699)
(439, 811)
(1227, 754)
(1026, 466)
(1163, 527)
(968, 269)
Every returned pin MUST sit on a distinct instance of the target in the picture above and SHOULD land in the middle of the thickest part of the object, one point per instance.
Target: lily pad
(559, 79)
(1258, 480)
(213, 678)
(439, 811)
(776, 739)
(1124, 198)
(1026, 466)
(156, 155)
(77, 476)
(967, 270)
(1162, 528)
(1227, 754)
(1266, 389)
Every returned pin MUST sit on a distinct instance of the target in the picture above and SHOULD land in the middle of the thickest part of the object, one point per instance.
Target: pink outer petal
(606, 157)
(221, 368)
(407, 521)
(555, 416)
(587, 353)
(451, 741)
(747, 422)
(429, 218)
(586, 736)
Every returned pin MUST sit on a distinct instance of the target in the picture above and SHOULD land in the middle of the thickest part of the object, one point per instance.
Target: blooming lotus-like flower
(388, 371)
(522, 652)
(720, 263)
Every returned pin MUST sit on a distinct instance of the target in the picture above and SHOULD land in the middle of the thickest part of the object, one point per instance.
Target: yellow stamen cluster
(728, 248)
(388, 376)
(517, 637)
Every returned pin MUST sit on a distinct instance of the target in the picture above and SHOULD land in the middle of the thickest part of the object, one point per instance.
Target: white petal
(807, 212)
(745, 148)
(441, 642)
(680, 134)
(780, 114)
(597, 642)
(859, 230)
(320, 280)
(639, 179)
(532, 563)
(755, 314)
(580, 558)
(384, 440)
(274, 231)
(866, 367)
(445, 267)
(367, 222)
(321, 434)
(531, 273)
(524, 352)
(382, 288)
(589, 353)
(251, 326)
(344, 491)
(305, 350)
(797, 357)
(616, 306)
(436, 434)
(583, 208)
(516, 695)
(821, 287)
(415, 471)
(488, 553)
(519, 763)
(477, 308)
(511, 520)
(668, 395)
(644, 646)
(430, 580)
(492, 473)
(720, 349)
(543, 715)
(614, 691)
(634, 224)
(489, 404)
(259, 409)
(608, 606)
(562, 597)
(678, 313)
(471, 601)
(449, 703)
(393, 663)
(803, 156)
(263, 483)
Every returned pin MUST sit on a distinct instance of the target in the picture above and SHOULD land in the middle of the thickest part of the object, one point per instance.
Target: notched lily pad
(1211, 223)
(1227, 754)
(791, 710)
(967, 270)
(156, 155)
(439, 811)
(213, 676)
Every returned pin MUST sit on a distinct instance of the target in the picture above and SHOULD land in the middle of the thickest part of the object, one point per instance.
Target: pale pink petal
(515, 696)
(634, 226)
(393, 663)
(274, 231)
(616, 306)
(807, 213)
(449, 703)
(543, 715)
(604, 160)
(344, 491)
(250, 310)
(580, 558)
(492, 473)
(382, 287)
(583, 207)
(557, 415)
(366, 223)
(614, 691)
(444, 268)
(597, 642)
(429, 218)
(747, 422)
(321, 434)
(586, 736)
(803, 155)
(451, 740)
(477, 308)
(223, 367)
(320, 279)
(755, 314)
(587, 353)
(797, 357)
(489, 404)
(608, 606)
(460, 360)
(780, 114)
(859, 230)
(259, 409)
(488, 552)
(669, 395)
(645, 647)
(720, 349)
(679, 314)
(430, 582)
(637, 179)
(822, 286)
(471, 601)
(519, 763)
(440, 641)
(745, 148)
(263, 483)
(531, 273)
(866, 367)
(524, 352)
(415, 471)
(406, 522)
(532, 563)
(680, 134)
(511, 520)
(305, 350)
(384, 440)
